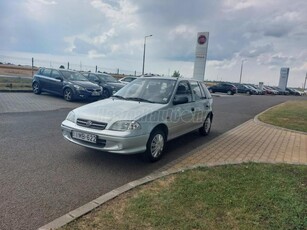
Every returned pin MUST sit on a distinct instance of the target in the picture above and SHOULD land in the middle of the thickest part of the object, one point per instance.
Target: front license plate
(84, 136)
(95, 93)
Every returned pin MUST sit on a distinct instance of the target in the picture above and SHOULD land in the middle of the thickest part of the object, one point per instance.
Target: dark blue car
(67, 83)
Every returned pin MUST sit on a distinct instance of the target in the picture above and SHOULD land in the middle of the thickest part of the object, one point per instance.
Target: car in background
(128, 79)
(280, 91)
(269, 90)
(142, 117)
(109, 84)
(228, 88)
(294, 92)
(67, 83)
(241, 88)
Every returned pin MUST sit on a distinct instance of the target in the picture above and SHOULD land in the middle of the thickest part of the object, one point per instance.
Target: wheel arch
(162, 127)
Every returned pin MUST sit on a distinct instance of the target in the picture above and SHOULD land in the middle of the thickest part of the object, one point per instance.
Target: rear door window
(46, 72)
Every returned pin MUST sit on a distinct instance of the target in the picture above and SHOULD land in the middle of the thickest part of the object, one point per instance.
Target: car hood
(86, 84)
(111, 110)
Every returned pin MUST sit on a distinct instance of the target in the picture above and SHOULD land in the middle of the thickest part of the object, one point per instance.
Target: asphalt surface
(42, 176)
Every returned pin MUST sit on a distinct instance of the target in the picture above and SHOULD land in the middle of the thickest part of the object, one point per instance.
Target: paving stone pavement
(252, 141)
(28, 102)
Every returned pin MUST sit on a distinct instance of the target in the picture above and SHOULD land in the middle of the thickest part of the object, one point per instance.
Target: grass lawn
(246, 196)
(15, 83)
(290, 115)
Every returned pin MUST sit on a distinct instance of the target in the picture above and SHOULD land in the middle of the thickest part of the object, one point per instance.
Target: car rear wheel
(211, 91)
(155, 146)
(36, 88)
(248, 93)
(205, 129)
(68, 94)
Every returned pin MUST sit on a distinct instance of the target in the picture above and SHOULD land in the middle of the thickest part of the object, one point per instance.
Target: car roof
(169, 78)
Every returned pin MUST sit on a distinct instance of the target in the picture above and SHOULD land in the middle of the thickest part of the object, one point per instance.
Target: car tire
(155, 146)
(211, 91)
(36, 88)
(105, 93)
(205, 129)
(229, 92)
(248, 93)
(68, 94)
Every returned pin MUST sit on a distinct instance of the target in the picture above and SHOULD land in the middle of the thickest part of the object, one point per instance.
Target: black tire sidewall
(202, 130)
(68, 89)
(147, 154)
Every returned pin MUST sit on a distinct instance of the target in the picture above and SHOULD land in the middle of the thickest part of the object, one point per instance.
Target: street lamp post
(144, 52)
(305, 82)
(241, 70)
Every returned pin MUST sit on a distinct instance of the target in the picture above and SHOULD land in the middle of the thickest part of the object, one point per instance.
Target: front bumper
(107, 140)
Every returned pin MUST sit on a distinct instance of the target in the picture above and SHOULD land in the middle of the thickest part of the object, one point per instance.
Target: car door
(56, 82)
(44, 79)
(201, 104)
(181, 116)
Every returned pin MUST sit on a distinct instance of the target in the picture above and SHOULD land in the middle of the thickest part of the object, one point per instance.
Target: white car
(142, 116)
(127, 80)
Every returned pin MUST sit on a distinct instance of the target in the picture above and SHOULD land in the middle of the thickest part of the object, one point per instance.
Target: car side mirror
(180, 100)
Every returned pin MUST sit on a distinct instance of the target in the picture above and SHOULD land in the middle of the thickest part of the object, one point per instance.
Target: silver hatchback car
(142, 116)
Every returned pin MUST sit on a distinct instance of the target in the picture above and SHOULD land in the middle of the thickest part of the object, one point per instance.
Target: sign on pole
(283, 79)
(201, 55)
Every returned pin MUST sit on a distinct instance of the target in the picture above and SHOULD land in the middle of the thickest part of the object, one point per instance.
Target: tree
(176, 74)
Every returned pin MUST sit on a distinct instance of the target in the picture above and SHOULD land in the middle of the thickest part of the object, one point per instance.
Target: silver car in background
(142, 116)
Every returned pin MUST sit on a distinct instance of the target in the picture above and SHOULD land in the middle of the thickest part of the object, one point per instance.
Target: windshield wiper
(120, 97)
(139, 99)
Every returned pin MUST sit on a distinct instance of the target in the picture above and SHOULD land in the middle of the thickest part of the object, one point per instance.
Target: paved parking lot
(28, 102)
(42, 176)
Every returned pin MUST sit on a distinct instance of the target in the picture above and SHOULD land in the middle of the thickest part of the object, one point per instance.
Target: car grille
(91, 124)
(92, 90)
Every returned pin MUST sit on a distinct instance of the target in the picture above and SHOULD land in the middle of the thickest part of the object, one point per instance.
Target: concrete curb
(257, 121)
(15, 91)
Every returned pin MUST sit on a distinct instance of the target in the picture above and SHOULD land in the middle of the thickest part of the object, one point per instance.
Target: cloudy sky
(267, 35)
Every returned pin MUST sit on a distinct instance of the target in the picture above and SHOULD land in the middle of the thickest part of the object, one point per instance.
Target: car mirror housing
(180, 100)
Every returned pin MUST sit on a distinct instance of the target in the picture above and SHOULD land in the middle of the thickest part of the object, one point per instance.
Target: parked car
(109, 84)
(142, 116)
(230, 89)
(241, 88)
(269, 90)
(128, 79)
(280, 91)
(67, 83)
(294, 92)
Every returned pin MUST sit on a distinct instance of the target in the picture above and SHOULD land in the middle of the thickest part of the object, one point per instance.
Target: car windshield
(148, 90)
(107, 78)
(73, 76)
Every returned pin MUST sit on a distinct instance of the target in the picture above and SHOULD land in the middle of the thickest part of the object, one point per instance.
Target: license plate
(95, 93)
(84, 136)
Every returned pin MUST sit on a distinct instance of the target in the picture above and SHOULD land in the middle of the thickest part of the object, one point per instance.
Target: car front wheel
(155, 146)
(105, 93)
(68, 94)
(229, 92)
(205, 129)
(36, 88)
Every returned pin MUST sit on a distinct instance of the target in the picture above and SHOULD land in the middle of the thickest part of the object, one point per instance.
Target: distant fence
(34, 64)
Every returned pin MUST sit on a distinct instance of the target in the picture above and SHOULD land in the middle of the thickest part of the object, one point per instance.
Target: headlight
(78, 87)
(125, 125)
(71, 117)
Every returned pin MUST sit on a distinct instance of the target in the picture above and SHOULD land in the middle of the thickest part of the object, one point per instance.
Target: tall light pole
(305, 82)
(241, 70)
(144, 52)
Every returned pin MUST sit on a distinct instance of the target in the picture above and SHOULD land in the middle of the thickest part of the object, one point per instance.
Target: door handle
(192, 109)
